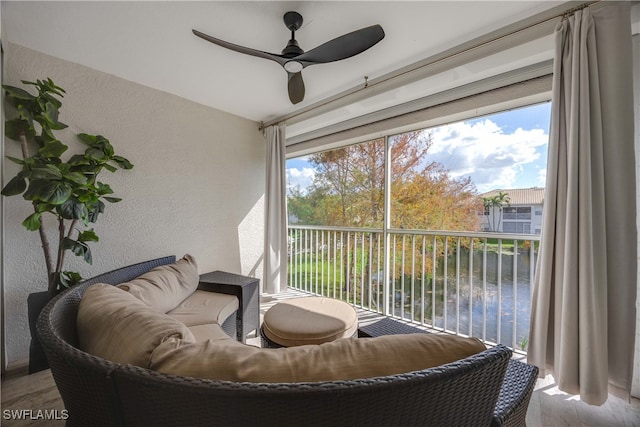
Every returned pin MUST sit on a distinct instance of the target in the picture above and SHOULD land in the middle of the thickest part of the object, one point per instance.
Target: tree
(348, 188)
(68, 189)
(493, 205)
(348, 191)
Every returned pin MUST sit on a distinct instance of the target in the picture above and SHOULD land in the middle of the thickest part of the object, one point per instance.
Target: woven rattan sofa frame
(98, 392)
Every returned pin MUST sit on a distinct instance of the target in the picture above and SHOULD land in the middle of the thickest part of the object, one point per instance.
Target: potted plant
(66, 190)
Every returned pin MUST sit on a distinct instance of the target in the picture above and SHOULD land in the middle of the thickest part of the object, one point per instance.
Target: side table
(247, 290)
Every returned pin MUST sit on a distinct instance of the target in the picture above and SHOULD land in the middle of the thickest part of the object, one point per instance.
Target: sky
(500, 151)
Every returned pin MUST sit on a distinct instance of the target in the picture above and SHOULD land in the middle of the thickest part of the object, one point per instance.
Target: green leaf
(50, 114)
(72, 209)
(95, 211)
(17, 93)
(113, 199)
(14, 127)
(76, 177)
(69, 278)
(16, 160)
(54, 192)
(15, 186)
(77, 160)
(95, 154)
(53, 148)
(32, 222)
(47, 172)
(88, 236)
(103, 189)
(110, 168)
(78, 248)
(122, 162)
(90, 140)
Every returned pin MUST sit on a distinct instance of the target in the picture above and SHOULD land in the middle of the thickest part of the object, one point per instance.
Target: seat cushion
(209, 331)
(223, 358)
(202, 307)
(309, 320)
(166, 286)
(116, 326)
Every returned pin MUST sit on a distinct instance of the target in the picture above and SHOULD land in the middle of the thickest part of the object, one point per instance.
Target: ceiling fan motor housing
(293, 20)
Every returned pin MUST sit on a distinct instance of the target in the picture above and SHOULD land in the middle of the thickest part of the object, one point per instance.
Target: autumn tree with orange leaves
(348, 191)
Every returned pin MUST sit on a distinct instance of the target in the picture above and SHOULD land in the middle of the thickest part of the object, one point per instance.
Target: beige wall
(197, 186)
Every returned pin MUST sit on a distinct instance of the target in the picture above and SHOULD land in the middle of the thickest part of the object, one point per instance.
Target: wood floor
(36, 397)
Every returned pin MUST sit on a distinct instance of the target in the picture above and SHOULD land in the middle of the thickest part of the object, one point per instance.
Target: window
(523, 213)
(436, 176)
(516, 227)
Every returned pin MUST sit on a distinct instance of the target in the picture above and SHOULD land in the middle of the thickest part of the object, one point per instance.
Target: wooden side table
(247, 289)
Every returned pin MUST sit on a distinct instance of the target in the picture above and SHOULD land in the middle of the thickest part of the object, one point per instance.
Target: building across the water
(516, 210)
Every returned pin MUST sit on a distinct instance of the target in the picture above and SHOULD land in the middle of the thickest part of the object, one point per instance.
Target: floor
(36, 398)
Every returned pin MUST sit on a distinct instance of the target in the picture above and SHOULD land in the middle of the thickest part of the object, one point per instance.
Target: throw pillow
(116, 326)
(166, 286)
(343, 359)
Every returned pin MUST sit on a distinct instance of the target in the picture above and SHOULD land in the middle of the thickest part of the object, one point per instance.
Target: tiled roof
(520, 196)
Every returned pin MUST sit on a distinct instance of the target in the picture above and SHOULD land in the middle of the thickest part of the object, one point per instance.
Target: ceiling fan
(293, 59)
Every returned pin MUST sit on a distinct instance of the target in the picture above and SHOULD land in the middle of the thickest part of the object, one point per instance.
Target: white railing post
(310, 260)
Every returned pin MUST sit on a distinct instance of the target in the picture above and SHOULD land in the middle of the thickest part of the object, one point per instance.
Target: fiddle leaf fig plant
(68, 190)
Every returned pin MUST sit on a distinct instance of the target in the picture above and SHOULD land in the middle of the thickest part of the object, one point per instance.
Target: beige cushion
(226, 359)
(116, 326)
(166, 286)
(202, 307)
(309, 320)
(209, 331)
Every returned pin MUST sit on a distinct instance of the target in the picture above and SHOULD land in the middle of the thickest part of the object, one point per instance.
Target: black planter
(35, 303)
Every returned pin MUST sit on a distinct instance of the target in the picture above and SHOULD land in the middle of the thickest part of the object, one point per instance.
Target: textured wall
(197, 186)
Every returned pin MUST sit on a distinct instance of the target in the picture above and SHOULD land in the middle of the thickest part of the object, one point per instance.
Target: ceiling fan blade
(343, 47)
(237, 48)
(296, 87)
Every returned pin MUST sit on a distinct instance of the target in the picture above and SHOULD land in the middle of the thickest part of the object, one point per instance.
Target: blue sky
(498, 151)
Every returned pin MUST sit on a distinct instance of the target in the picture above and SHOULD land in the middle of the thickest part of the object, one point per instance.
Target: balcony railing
(468, 283)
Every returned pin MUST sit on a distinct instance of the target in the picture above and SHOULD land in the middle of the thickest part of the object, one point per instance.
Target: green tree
(67, 190)
(494, 205)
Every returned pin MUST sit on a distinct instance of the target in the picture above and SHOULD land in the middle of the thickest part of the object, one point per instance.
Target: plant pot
(35, 303)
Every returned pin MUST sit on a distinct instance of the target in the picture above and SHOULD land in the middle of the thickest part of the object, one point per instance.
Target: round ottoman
(309, 320)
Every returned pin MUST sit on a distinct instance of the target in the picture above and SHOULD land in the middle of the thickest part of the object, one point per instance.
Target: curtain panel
(583, 307)
(275, 224)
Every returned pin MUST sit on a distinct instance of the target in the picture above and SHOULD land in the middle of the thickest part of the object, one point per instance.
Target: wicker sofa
(95, 391)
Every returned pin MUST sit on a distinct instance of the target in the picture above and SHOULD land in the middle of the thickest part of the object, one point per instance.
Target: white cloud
(542, 177)
(302, 177)
(492, 158)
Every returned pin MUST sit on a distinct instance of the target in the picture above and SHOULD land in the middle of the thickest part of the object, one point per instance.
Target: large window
(437, 177)
(432, 226)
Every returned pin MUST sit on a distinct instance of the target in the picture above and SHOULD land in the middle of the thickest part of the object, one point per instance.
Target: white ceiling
(151, 43)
